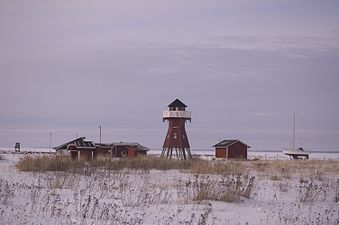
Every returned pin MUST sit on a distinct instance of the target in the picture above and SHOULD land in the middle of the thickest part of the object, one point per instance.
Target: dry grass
(57, 163)
(336, 197)
(309, 191)
(275, 177)
(273, 169)
(313, 169)
(140, 163)
(230, 189)
(47, 163)
(283, 187)
(151, 162)
(222, 168)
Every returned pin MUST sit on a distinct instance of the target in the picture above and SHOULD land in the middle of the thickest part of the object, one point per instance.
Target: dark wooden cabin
(103, 151)
(79, 148)
(120, 150)
(82, 149)
(231, 149)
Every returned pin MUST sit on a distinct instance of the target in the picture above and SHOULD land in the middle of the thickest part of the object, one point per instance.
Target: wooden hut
(120, 150)
(79, 148)
(231, 149)
(82, 149)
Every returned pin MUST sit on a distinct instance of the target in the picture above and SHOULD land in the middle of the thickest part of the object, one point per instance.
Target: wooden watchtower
(17, 147)
(176, 138)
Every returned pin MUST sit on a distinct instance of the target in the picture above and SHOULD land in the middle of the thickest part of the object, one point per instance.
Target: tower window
(175, 135)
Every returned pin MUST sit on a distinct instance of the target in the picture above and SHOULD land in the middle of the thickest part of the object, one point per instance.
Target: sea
(264, 154)
(209, 153)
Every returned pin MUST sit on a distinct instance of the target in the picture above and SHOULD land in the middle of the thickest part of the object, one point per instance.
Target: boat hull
(296, 154)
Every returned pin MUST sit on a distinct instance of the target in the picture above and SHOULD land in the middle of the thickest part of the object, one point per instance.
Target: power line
(74, 130)
(47, 131)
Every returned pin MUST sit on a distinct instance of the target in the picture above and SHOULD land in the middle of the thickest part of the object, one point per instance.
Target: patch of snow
(157, 197)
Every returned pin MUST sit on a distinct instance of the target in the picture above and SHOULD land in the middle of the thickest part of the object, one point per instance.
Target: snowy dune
(164, 197)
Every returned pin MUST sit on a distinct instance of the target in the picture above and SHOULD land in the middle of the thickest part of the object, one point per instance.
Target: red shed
(231, 149)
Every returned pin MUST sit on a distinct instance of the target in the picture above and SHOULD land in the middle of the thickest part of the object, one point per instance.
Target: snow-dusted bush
(230, 188)
(336, 198)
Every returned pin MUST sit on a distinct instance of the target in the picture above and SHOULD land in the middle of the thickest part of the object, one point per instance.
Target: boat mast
(293, 131)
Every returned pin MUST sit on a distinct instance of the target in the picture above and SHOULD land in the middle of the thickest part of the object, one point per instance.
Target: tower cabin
(176, 138)
(17, 147)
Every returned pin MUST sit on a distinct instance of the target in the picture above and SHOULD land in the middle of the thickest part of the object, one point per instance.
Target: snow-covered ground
(162, 197)
(27, 149)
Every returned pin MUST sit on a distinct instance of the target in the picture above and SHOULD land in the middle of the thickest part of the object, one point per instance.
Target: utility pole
(100, 134)
(293, 131)
(50, 141)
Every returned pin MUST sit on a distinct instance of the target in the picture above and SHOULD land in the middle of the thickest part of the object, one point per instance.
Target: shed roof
(177, 103)
(226, 143)
(79, 143)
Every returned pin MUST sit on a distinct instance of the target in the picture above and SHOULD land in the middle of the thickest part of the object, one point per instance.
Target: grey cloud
(118, 64)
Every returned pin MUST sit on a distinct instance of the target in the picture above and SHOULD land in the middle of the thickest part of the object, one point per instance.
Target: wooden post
(100, 135)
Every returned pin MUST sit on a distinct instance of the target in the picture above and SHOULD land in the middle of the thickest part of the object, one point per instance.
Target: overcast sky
(243, 68)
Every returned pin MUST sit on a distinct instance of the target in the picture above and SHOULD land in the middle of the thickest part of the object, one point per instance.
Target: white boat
(297, 153)
(294, 152)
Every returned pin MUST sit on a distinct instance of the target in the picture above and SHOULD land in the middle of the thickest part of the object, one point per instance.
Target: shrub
(275, 177)
(283, 187)
(308, 191)
(231, 189)
(206, 190)
(336, 198)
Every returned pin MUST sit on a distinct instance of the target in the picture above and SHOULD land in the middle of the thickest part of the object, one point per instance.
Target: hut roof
(79, 143)
(226, 143)
(177, 103)
(131, 144)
